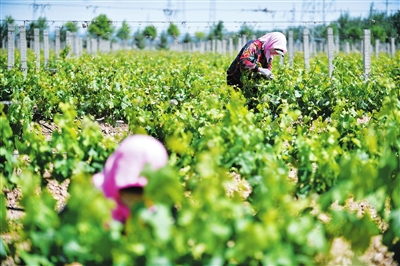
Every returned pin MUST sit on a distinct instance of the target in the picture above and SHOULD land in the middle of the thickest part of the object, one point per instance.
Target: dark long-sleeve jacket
(249, 59)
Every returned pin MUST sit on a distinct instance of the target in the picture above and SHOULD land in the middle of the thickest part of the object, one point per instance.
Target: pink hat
(123, 167)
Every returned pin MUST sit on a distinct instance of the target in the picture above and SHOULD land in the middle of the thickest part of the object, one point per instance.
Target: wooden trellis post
(68, 43)
(10, 45)
(240, 43)
(76, 44)
(306, 49)
(57, 42)
(213, 45)
(281, 59)
(291, 48)
(393, 46)
(22, 36)
(331, 49)
(224, 47)
(347, 47)
(94, 46)
(88, 45)
(202, 47)
(36, 46)
(46, 47)
(219, 46)
(366, 52)
(244, 41)
(230, 45)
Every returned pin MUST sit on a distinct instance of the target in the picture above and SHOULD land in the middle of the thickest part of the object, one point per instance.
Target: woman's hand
(266, 73)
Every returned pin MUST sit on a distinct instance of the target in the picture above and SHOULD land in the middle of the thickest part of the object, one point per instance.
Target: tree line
(348, 28)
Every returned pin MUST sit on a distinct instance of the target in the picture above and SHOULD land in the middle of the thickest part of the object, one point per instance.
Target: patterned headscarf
(274, 40)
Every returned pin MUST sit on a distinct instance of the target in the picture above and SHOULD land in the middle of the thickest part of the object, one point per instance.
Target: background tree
(124, 32)
(381, 26)
(353, 33)
(350, 29)
(139, 40)
(69, 26)
(199, 35)
(217, 31)
(187, 38)
(41, 24)
(150, 32)
(246, 31)
(4, 29)
(378, 33)
(101, 27)
(394, 21)
(173, 31)
(163, 44)
(297, 32)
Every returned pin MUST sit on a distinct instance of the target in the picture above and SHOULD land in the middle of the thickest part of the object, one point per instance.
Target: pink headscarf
(274, 40)
(123, 168)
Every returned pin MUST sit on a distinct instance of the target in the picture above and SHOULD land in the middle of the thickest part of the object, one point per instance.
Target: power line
(266, 10)
(196, 21)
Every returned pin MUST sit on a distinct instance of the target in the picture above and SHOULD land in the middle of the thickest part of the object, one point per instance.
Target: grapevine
(266, 184)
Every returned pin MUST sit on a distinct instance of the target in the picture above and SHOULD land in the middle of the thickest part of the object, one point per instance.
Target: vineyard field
(303, 169)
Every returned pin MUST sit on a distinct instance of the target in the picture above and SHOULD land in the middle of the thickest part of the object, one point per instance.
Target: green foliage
(68, 26)
(245, 30)
(173, 31)
(163, 44)
(150, 32)
(216, 31)
(4, 27)
(187, 38)
(139, 40)
(7, 160)
(101, 27)
(124, 32)
(297, 32)
(41, 24)
(199, 35)
(350, 29)
(233, 171)
(3, 220)
(394, 22)
(381, 26)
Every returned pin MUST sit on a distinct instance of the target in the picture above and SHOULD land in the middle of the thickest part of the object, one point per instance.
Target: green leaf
(162, 178)
(3, 249)
(160, 220)
(3, 210)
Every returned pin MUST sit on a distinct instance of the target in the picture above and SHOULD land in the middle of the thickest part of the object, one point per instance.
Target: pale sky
(192, 15)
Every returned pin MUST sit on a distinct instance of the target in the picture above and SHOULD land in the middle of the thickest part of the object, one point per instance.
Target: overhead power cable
(265, 10)
(89, 21)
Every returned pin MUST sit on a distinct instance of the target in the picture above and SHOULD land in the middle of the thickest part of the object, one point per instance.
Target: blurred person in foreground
(121, 178)
(256, 57)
